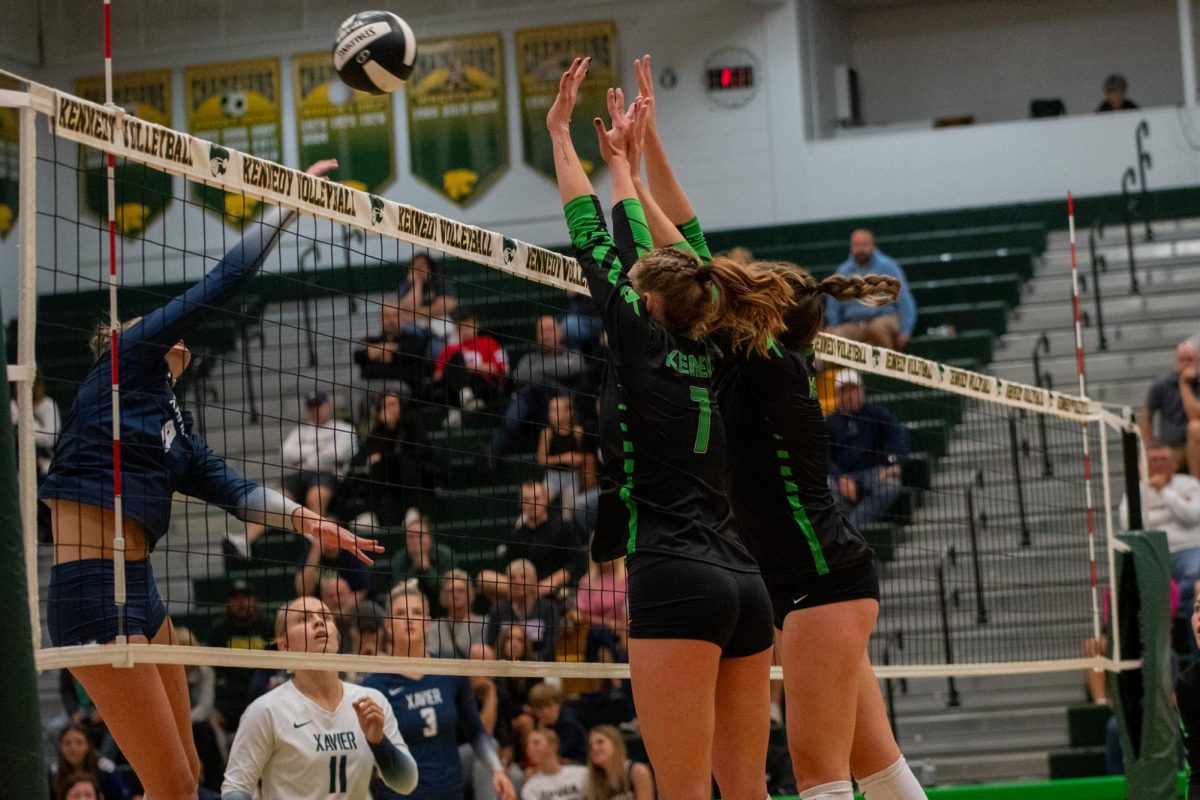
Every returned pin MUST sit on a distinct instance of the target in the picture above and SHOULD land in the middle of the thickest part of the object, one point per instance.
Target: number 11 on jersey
(700, 396)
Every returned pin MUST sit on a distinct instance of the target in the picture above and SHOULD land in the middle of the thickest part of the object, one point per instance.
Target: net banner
(334, 121)
(9, 167)
(543, 54)
(457, 115)
(236, 106)
(144, 191)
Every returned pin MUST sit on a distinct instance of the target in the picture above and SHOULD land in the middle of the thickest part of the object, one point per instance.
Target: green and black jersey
(662, 477)
(778, 470)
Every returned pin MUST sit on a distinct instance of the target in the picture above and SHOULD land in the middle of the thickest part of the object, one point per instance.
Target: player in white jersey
(315, 737)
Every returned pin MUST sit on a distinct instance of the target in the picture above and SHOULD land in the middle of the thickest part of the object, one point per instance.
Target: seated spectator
(76, 755)
(544, 539)
(202, 693)
(581, 326)
(539, 375)
(396, 468)
(546, 702)
(46, 423)
(426, 302)
(1171, 503)
(1174, 401)
(423, 561)
(369, 636)
(377, 357)
(243, 627)
(570, 461)
(79, 710)
(314, 456)
(471, 372)
(528, 607)
(612, 775)
(344, 603)
(323, 560)
(1114, 95)
(550, 779)
(454, 635)
(867, 451)
(79, 786)
(513, 693)
(602, 602)
(890, 325)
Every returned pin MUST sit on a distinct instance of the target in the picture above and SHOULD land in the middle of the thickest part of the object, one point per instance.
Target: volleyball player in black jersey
(700, 632)
(817, 566)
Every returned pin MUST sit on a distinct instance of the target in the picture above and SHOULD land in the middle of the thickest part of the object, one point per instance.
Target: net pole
(114, 348)
(26, 358)
(1089, 503)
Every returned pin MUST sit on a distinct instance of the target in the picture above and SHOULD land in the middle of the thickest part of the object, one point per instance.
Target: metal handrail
(1127, 181)
(1099, 264)
(1144, 162)
(981, 615)
(1044, 381)
(948, 556)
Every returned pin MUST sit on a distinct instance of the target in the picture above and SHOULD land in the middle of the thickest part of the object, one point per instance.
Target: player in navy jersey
(429, 710)
(700, 634)
(146, 707)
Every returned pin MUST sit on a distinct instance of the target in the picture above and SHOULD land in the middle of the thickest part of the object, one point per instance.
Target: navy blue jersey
(429, 711)
(662, 478)
(160, 452)
(778, 468)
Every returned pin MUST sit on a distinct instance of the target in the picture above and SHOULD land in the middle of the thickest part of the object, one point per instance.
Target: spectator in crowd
(378, 356)
(46, 423)
(79, 786)
(550, 778)
(471, 372)
(423, 561)
(513, 693)
(479, 774)
(397, 467)
(612, 775)
(581, 325)
(344, 603)
(1114, 95)
(602, 602)
(426, 301)
(455, 634)
(1173, 401)
(369, 636)
(551, 544)
(79, 710)
(243, 627)
(867, 451)
(888, 325)
(76, 754)
(202, 692)
(528, 607)
(315, 454)
(540, 374)
(1171, 503)
(570, 461)
(546, 703)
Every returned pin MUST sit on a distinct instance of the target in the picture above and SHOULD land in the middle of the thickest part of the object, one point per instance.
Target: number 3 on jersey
(700, 396)
(430, 717)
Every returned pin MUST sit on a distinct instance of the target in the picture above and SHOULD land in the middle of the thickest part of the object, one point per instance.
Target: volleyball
(374, 52)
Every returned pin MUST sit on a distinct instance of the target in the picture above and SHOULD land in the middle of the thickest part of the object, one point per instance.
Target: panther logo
(376, 209)
(218, 160)
(510, 251)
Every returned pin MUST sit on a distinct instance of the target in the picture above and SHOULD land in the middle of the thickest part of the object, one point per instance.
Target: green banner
(334, 121)
(543, 55)
(235, 105)
(457, 121)
(142, 193)
(10, 167)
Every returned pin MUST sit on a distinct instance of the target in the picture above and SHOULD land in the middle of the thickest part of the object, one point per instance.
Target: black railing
(1099, 264)
(1018, 483)
(250, 379)
(1144, 162)
(1044, 381)
(947, 557)
(973, 522)
(1129, 205)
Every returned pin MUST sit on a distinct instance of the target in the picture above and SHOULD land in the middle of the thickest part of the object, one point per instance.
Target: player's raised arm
(573, 182)
(662, 232)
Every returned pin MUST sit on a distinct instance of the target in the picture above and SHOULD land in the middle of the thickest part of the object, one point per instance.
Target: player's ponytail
(806, 318)
(746, 302)
(101, 339)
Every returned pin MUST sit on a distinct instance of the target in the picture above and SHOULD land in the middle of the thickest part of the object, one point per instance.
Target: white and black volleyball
(374, 52)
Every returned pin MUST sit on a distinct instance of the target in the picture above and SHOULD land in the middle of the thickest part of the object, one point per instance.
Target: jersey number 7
(700, 396)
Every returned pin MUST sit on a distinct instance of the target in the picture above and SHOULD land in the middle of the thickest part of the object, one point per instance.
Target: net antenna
(953, 414)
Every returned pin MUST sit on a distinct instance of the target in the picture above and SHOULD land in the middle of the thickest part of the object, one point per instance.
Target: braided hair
(807, 316)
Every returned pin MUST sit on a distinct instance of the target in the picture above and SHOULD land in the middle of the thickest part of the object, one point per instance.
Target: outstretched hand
(645, 82)
(614, 141)
(329, 534)
(635, 140)
(321, 168)
(558, 118)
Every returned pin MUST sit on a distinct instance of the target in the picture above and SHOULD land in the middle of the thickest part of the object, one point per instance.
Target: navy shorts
(788, 593)
(80, 608)
(679, 598)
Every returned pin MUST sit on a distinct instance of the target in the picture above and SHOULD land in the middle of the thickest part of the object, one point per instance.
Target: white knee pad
(897, 782)
(835, 790)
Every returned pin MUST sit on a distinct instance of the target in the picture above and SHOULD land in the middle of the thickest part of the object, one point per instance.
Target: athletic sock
(897, 782)
(835, 790)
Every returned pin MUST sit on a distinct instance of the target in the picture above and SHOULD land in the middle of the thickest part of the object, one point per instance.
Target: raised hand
(613, 141)
(645, 81)
(635, 141)
(329, 534)
(558, 118)
(370, 719)
(322, 167)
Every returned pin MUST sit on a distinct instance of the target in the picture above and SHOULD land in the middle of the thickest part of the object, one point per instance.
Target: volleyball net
(432, 385)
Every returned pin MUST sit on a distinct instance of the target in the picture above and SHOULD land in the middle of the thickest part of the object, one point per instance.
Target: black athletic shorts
(791, 593)
(680, 598)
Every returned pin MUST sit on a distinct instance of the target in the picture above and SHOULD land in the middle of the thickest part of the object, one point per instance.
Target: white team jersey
(569, 783)
(300, 751)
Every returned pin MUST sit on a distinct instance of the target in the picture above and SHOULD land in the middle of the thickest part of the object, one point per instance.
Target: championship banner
(335, 121)
(10, 134)
(543, 55)
(142, 194)
(236, 106)
(457, 125)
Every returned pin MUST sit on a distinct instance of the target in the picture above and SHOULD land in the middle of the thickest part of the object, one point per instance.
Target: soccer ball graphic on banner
(374, 52)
